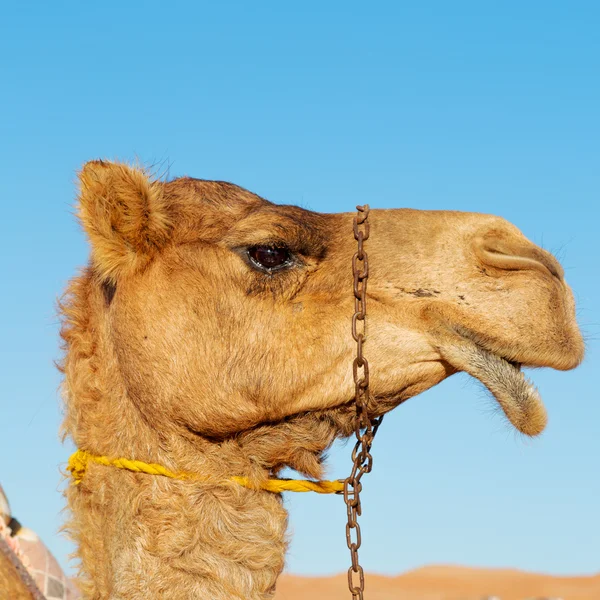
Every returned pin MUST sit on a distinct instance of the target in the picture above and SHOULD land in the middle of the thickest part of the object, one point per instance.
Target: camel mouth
(503, 377)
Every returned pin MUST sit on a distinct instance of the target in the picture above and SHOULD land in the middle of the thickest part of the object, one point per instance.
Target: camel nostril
(549, 262)
(512, 254)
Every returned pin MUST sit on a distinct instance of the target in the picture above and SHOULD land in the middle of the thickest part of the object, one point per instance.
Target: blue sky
(476, 106)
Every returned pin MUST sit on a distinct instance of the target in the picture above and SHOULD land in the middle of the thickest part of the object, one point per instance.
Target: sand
(445, 583)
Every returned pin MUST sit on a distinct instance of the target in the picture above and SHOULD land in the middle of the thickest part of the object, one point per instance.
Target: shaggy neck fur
(142, 536)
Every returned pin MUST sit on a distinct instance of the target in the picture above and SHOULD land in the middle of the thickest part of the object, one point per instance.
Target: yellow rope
(79, 460)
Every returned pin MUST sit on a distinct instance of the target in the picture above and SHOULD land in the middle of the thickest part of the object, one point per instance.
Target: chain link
(365, 428)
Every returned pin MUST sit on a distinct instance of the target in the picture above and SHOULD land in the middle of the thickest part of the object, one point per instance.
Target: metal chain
(365, 428)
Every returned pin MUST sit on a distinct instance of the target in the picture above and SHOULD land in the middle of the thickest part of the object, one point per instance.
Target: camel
(210, 333)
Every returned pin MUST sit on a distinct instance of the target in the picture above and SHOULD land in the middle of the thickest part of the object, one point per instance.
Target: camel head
(225, 313)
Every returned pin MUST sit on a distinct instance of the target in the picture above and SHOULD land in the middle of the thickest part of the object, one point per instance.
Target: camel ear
(125, 216)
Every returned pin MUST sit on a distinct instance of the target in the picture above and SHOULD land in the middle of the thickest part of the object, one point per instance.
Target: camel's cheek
(220, 365)
(176, 367)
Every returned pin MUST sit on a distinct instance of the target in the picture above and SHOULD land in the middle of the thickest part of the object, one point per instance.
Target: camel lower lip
(515, 394)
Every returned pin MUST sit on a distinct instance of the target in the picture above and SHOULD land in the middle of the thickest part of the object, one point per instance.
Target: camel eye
(270, 258)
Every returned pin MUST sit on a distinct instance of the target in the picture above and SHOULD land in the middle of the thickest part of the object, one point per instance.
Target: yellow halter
(79, 460)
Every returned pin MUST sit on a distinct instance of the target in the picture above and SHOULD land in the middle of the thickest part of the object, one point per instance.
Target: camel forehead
(207, 203)
(218, 211)
(219, 194)
(226, 194)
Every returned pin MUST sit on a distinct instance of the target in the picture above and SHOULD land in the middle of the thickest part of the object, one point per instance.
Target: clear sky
(476, 106)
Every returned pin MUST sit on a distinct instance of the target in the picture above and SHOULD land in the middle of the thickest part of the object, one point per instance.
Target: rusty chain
(365, 427)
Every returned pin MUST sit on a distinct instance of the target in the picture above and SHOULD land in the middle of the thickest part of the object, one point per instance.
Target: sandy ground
(445, 583)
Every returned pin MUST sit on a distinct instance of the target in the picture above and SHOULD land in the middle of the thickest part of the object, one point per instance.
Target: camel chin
(516, 395)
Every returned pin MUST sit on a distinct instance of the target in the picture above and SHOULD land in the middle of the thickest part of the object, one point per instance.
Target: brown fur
(178, 351)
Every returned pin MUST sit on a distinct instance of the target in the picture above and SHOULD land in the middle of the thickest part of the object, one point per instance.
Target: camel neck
(140, 534)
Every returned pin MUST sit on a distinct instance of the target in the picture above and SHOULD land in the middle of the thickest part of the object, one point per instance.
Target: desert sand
(445, 583)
